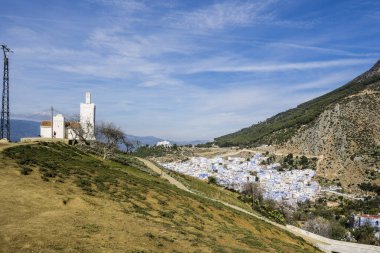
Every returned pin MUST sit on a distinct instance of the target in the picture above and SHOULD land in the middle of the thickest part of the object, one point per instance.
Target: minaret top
(88, 97)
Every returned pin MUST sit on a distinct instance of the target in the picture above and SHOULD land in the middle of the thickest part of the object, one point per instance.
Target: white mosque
(69, 130)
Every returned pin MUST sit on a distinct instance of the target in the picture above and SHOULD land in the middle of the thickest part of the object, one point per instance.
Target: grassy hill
(281, 127)
(56, 198)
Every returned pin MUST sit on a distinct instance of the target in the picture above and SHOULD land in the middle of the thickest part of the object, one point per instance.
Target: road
(348, 196)
(325, 244)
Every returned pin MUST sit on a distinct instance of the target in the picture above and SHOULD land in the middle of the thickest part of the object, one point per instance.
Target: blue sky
(183, 70)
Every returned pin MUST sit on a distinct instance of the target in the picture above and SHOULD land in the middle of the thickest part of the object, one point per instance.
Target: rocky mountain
(343, 126)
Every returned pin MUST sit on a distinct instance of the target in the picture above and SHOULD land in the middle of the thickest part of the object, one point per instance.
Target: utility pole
(5, 123)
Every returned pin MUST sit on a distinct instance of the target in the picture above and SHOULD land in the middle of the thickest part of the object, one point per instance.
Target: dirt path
(323, 243)
(235, 153)
(156, 169)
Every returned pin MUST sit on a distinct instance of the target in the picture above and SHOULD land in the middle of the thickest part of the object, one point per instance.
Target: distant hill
(196, 142)
(28, 128)
(24, 128)
(342, 126)
(144, 140)
(151, 140)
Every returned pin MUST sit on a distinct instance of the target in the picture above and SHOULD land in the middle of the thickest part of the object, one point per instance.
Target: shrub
(365, 234)
(167, 214)
(338, 232)
(211, 180)
(25, 170)
(319, 226)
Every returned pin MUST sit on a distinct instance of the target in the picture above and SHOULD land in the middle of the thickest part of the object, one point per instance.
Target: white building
(367, 219)
(87, 117)
(65, 130)
(164, 144)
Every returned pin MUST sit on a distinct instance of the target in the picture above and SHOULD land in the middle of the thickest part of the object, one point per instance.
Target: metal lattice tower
(5, 123)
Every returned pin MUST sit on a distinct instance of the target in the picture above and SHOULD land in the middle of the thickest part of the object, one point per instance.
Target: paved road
(323, 243)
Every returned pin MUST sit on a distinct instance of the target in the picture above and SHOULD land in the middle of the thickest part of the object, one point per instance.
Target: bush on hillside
(211, 180)
(25, 170)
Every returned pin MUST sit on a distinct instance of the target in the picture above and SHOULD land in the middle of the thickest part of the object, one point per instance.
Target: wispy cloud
(331, 51)
(222, 15)
(330, 80)
(127, 5)
(226, 66)
(124, 42)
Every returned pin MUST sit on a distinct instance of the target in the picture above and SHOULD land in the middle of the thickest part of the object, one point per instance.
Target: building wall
(87, 120)
(59, 126)
(70, 134)
(45, 131)
(372, 221)
(164, 143)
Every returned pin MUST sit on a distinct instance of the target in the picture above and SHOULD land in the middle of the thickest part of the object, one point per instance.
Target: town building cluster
(234, 172)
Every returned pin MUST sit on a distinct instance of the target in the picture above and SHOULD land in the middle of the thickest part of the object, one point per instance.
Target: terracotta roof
(46, 123)
(372, 216)
(72, 124)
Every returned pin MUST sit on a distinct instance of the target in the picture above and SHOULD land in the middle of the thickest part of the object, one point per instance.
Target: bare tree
(79, 131)
(129, 145)
(286, 209)
(318, 225)
(253, 189)
(109, 137)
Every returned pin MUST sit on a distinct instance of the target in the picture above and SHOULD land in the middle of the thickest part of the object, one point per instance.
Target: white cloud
(127, 5)
(133, 44)
(331, 51)
(224, 65)
(222, 15)
(324, 82)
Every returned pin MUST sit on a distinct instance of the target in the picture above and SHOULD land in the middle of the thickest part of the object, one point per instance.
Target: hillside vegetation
(56, 198)
(281, 127)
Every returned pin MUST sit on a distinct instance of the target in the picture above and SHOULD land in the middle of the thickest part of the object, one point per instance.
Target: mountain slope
(347, 135)
(281, 127)
(73, 202)
(342, 126)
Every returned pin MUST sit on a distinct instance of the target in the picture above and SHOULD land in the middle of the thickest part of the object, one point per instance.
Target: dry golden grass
(152, 216)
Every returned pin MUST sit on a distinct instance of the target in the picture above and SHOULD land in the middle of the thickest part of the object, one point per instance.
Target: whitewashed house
(367, 219)
(61, 129)
(166, 144)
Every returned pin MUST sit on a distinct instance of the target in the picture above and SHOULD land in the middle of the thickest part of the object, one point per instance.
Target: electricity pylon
(5, 123)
